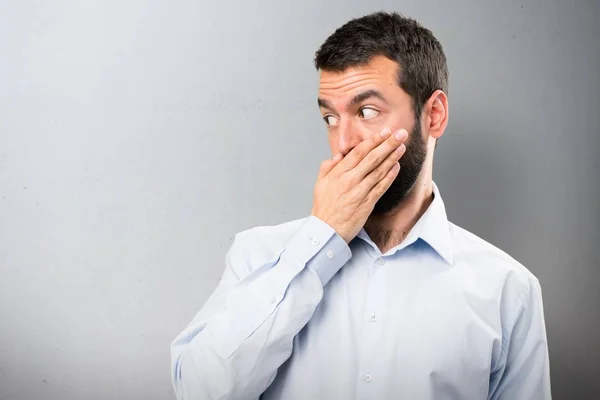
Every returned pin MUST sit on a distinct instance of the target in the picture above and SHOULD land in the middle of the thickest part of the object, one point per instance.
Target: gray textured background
(136, 137)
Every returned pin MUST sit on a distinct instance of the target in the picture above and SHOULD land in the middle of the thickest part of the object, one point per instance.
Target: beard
(411, 165)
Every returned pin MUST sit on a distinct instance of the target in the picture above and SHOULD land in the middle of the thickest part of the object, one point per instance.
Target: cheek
(394, 121)
(401, 120)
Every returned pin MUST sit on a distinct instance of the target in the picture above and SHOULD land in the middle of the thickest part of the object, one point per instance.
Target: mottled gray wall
(136, 137)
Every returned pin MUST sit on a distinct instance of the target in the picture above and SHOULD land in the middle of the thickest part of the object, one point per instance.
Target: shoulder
(494, 274)
(257, 246)
(268, 238)
(474, 254)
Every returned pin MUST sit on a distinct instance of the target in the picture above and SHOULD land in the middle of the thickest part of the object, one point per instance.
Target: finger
(328, 165)
(380, 172)
(383, 185)
(379, 154)
(356, 155)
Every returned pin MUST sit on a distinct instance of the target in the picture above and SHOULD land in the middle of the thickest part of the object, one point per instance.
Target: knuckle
(359, 152)
(381, 172)
(373, 196)
(370, 158)
(380, 189)
(348, 183)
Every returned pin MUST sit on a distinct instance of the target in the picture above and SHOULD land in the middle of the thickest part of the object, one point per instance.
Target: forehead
(380, 73)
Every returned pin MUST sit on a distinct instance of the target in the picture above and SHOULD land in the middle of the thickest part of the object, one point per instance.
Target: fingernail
(385, 132)
(401, 134)
(337, 157)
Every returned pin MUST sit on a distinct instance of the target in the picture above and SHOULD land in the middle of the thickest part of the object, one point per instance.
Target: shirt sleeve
(525, 373)
(244, 332)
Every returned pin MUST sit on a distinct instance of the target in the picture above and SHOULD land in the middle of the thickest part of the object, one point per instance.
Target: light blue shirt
(299, 314)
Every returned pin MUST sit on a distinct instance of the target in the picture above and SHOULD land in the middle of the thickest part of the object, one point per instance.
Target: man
(375, 295)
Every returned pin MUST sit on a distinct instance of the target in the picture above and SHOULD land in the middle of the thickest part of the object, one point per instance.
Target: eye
(368, 113)
(330, 120)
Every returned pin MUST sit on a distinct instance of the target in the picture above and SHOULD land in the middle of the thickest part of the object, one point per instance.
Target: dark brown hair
(421, 59)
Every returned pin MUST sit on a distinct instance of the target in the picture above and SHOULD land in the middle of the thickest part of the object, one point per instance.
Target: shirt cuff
(328, 250)
(315, 245)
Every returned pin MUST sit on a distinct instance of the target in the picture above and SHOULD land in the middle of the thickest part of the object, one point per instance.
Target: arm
(245, 331)
(241, 336)
(525, 371)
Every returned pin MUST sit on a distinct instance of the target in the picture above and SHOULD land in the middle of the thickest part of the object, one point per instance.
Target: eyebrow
(359, 98)
(324, 104)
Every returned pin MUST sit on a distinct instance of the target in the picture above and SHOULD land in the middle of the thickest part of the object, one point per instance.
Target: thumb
(328, 165)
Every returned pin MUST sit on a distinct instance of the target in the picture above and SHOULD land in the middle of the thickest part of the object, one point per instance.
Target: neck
(390, 229)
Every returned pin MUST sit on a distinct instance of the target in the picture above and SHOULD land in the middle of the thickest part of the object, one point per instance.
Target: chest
(412, 326)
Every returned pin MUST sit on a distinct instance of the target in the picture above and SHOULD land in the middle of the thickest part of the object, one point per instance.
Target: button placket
(373, 328)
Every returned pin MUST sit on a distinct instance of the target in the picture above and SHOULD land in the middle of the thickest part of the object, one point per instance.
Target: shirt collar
(432, 228)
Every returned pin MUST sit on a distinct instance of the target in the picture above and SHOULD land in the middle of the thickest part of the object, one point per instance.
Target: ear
(436, 114)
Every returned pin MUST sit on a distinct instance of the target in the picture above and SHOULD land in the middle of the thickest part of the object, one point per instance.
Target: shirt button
(373, 317)
(329, 254)
(380, 261)
(368, 377)
(315, 242)
(272, 300)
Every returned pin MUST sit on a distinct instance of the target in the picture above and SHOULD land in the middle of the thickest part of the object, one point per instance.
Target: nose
(348, 137)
